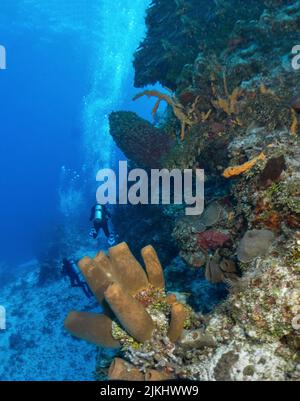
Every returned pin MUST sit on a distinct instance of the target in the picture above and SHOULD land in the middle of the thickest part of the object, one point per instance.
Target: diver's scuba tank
(69, 267)
(73, 264)
(98, 213)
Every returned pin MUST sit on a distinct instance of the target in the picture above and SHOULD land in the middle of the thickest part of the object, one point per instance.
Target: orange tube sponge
(127, 270)
(153, 267)
(238, 170)
(178, 317)
(295, 124)
(94, 328)
(131, 314)
(122, 370)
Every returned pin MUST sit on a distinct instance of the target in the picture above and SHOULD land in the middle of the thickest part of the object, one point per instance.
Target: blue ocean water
(69, 63)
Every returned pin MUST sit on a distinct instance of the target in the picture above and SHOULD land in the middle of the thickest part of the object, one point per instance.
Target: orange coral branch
(238, 170)
(229, 104)
(154, 93)
(183, 116)
(295, 124)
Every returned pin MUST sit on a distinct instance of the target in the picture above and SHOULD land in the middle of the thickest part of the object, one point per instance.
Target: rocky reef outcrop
(140, 141)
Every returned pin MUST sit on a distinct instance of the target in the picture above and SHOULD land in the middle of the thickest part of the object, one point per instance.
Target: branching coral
(138, 301)
(184, 115)
(229, 103)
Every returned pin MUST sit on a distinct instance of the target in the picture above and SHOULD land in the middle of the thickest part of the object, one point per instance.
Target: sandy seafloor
(34, 345)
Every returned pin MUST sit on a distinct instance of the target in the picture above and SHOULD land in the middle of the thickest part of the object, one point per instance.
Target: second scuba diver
(69, 269)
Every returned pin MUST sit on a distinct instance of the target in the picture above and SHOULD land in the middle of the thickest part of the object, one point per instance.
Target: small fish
(238, 170)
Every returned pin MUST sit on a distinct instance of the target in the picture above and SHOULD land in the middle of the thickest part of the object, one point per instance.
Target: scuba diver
(99, 217)
(69, 269)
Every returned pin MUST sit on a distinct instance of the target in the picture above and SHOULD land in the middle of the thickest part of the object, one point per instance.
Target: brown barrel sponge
(98, 275)
(156, 376)
(178, 317)
(122, 370)
(153, 267)
(92, 327)
(127, 270)
(131, 314)
(171, 299)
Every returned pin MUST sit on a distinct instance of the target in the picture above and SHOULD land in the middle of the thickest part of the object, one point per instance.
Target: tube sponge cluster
(125, 290)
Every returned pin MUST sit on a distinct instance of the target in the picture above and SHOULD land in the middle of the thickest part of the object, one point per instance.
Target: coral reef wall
(179, 29)
(234, 112)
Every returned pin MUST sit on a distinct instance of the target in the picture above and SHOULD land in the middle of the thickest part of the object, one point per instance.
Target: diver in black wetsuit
(69, 269)
(99, 217)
